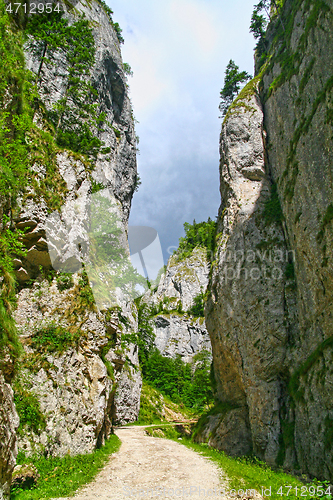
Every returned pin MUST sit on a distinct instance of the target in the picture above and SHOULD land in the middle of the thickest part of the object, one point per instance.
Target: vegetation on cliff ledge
(200, 234)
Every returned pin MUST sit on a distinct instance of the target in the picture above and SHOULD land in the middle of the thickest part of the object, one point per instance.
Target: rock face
(270, 306)
(75, 363)
(84, 387)
(9, 422)
(299, 114)
(114, 168)
(177, 332)
(180, 334)
(247, 313)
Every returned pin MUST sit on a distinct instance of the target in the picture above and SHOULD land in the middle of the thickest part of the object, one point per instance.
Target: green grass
(28, 409)
(250, 473)
(151, 406)
(61, 477)
(167, 432)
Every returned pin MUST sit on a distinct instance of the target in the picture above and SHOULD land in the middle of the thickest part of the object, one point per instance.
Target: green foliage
(137, 182)
(167, 306)
(96, 186)
(145, 336)
(53, 339)
(186, 383)
(166, 431)
(118, 31)
(61, 477)
(107, 9)
(151, 405)
(116, 26)
(259, 22)
(85, 292)
(127, 69)
(248, 473)
(200, 234)
(74, 116)
(232, 80)
(28, 409)
(264, 13)
(242, 100)
(15, 112)
(10, 245)
(64, 281)
(272, 211)
(198, 308)
(15, 120)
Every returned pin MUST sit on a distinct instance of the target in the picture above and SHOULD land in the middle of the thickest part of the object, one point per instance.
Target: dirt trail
(146, 467)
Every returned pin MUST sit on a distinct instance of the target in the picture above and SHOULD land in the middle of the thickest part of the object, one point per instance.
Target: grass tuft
(61, 477)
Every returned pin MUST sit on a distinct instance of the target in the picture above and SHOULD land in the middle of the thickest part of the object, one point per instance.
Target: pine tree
(232, 84)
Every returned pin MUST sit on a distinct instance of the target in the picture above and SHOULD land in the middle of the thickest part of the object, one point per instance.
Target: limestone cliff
(9, 422)
(176, 330)
(76, 372)
(270, 308)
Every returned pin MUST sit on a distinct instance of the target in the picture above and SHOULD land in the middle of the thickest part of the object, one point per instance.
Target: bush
(187, 383)
(28, 409)
(198, 308)
(200, 234)
(53, 338)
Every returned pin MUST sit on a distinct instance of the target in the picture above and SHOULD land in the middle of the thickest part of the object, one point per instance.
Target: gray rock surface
(298, 120)
(183, 280)
(25, 476)
(116, 169)
(9, 422)
(94, 382)
(79, 397)
(247, 312)
(270, 306)
(178, 332)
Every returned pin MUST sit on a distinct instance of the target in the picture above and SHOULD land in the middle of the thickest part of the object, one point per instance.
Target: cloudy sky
(178, 51)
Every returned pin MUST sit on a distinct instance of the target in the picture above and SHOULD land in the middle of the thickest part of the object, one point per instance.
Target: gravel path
(146, 467)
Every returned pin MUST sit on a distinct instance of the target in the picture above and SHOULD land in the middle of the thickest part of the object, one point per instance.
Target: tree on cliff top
(232, 84)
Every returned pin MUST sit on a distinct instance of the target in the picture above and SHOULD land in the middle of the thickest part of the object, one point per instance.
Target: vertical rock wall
(298, 113)
(270, 311)
(176, 331)
(9, 422)
(79, 374)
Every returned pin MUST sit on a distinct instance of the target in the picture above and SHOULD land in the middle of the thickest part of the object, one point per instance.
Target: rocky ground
(147, 467)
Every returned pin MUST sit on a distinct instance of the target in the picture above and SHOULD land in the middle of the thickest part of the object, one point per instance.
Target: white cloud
(148, 87)
(178, 50)
(196, 24)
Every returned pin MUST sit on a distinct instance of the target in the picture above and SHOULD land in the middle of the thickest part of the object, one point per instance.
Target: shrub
(200, 234)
